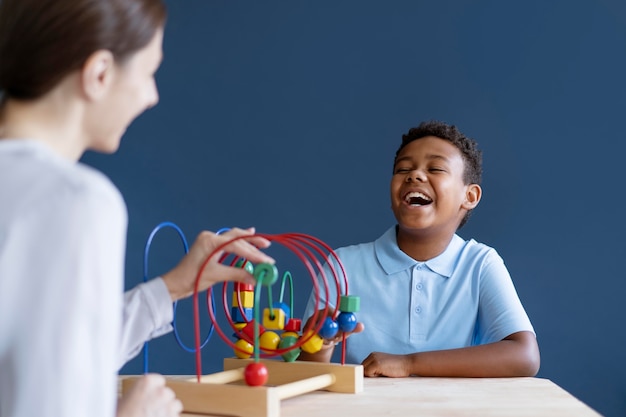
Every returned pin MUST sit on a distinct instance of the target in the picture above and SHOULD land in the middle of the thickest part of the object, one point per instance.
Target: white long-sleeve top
(62, 244)
(148, 313)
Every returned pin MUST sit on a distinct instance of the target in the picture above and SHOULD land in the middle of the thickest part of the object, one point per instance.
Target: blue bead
(347, 322)
(329, 329)
(284, 307)
(236, 316)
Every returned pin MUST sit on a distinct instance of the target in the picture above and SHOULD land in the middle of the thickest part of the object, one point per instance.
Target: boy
(433, 304)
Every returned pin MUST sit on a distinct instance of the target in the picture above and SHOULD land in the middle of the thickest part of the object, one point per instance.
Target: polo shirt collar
(393, 260)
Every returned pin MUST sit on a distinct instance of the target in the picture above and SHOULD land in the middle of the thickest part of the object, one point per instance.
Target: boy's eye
(402, 170)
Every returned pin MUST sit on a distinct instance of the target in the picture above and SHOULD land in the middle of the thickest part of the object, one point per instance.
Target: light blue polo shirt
(463, 297)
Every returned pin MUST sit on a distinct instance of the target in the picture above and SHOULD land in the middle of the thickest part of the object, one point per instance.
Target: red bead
(255, 374)
(248, 330)
(293, 325)
(240, 286)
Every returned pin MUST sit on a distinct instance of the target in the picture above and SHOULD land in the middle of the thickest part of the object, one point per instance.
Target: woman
(74, 74)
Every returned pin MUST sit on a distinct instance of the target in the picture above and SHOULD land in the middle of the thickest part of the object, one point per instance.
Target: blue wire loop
(145, 279)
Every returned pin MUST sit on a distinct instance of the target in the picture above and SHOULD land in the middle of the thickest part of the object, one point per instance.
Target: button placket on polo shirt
(418, 302)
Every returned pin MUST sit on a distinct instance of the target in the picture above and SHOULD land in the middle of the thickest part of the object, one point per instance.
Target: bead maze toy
(254, 382)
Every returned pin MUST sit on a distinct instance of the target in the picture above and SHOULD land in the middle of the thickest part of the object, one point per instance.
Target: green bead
(349, 303)
(266, 274)
(287, 342)
(247, 265)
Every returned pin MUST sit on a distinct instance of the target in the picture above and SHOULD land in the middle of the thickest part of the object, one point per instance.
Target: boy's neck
(421, 246)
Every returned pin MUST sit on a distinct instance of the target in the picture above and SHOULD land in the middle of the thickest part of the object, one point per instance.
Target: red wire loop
(305, 247)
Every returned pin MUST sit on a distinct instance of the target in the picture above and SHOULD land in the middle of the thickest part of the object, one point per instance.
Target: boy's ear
(472, 196)
(97, 74)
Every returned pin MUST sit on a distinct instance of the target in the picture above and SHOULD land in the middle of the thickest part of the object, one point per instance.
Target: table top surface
(449, 397)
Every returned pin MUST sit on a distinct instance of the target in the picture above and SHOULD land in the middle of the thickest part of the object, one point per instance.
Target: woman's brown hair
(42, 41)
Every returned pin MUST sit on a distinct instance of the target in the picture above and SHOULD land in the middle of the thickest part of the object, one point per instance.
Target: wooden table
(439, 397)
(447, 397)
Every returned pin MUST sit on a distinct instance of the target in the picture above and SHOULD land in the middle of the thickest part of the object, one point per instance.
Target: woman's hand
(149, 397)
(180, 281)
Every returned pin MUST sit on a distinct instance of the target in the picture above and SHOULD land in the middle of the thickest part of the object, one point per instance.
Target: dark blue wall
(285, 115)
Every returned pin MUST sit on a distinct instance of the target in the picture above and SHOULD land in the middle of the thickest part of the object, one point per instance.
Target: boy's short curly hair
(472, 156)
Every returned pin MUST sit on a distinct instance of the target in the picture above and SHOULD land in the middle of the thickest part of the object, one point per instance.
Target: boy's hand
(180, 281)
(326, 352)
(339, 336)
(149, 397)
(386, 364)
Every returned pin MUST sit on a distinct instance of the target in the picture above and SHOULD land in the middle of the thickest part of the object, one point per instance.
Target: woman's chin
(106, 146)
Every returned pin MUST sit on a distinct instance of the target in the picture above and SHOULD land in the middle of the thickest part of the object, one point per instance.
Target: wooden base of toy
(225, 393)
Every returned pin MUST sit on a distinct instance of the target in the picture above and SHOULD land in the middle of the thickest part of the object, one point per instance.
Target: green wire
(257, 301)
(287, 274)
(265, 274)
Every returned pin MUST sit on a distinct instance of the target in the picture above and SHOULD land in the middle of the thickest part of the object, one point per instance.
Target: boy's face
(428, 193)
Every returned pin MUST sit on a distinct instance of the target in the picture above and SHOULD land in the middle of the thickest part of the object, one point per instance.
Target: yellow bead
(278, 322)
(247, 299)
(239, 326)
(268, 342)
(314, 344)
(247, 348)
(289, 334)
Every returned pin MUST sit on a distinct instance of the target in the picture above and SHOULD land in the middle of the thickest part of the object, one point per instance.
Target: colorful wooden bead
(274, 318)
(313, 344)
(266, 274)
(289, 334)
(293, 325)
(349, 303)
(240, 326)
(240, 286)
(248, 330)
(245, 264)
(347, 322)
(246, 298)
(255, 374)
(244, 350)
(282, 306)
(329, 328)
(287, 340)
(268, 341)
(237, 317)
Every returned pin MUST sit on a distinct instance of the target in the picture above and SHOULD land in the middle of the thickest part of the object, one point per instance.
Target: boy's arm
(514, 356)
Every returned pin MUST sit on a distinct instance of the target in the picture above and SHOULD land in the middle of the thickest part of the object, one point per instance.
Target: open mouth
(417, 199)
